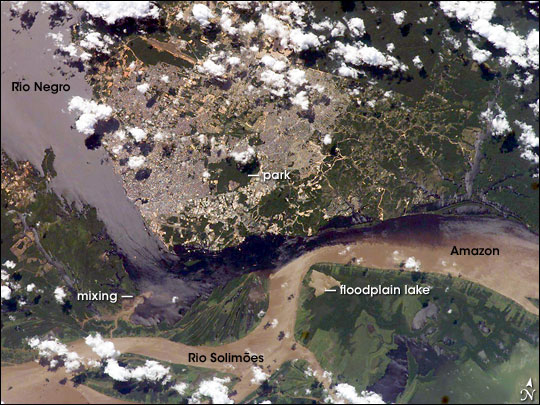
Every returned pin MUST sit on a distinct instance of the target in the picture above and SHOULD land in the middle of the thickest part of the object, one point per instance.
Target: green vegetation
(229, 314)
(53, 244)
(292, 383)
(469, 383)
(400, 143)
(149, 392)
(150, 55)
(62, 246)
(462, 331)
(48, 164)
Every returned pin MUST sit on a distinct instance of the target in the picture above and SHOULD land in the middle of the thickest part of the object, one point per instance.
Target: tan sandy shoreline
(514, 274)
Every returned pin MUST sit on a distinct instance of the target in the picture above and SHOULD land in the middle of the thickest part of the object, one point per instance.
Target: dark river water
(34, 121)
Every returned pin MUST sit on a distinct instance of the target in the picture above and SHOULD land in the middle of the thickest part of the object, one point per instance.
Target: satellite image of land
(270, 202)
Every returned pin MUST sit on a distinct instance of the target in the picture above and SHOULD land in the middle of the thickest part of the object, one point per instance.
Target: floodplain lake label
(373, 290)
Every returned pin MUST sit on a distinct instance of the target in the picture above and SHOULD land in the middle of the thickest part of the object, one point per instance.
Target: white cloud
(116, 371)
(469, 10)
(72, 362)
(338, 30)
(327, 139)
(30, 287)
(70, 49)
(453, 41)
(347, 71)
(135, 162)
(301, 40)
(137, 133)
(528, 140)
(361, 54)
(399, 17)
(103, 348)
(477, 14)
(17, 5)
(390, 47)
(412, 264)
(478, 55)
(417, 62)
(243, 5)
(498, 122)
(297, 77)
(91, 42)
(244, 157)
(6, 292)
(296, 8)
(94, 40)
(52, 349)
(214, 389)
(212, 68)
(150, 371)
(48, 348)
(273, 79)
(532, 48)
(143, 88)
(274, 64)
(348, 393)
(202, 14)
(249, 28)
(258, 375)
(9, 264)
(165, 79)
(301, 100)
(233, 60)
(91, 111)
(535, 107)
(59, 295)
(226, 22)
(325, 24)
(180, 388)
(309, 372)
(356, 26)
(273, 26)
(112, 11)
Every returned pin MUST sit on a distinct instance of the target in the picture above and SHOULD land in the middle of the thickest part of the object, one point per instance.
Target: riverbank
(513, 274)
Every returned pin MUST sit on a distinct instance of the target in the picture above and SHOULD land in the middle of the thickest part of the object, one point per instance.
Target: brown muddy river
(32, 122)
(514, 274)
